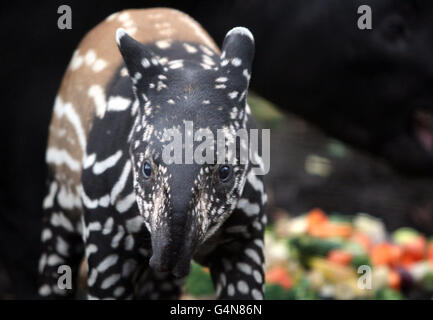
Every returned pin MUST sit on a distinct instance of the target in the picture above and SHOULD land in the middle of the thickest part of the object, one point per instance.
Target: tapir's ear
(140, 62)
(238, 49)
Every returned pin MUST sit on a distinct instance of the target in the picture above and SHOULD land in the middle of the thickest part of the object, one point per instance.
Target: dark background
(362, 87)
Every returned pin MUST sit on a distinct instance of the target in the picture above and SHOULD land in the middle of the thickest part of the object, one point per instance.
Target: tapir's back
(94, 63)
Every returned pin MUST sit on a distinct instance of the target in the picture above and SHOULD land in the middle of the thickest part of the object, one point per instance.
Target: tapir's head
(185, 188)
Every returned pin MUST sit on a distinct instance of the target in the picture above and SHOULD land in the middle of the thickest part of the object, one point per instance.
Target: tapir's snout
(173, 246)
(179, 269)
(163, 261)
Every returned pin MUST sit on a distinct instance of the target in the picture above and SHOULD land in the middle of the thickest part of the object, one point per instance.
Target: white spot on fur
(90, 57)
(109, 261)
(46, 235)
(118, 237)
(118, 291)
(62, 109)
(60, 157)
(145, 63)
(249, 208)
(175, 64)
(54, 260)
(45, 290)
(98, 95)
(230, 290)
(62, 246)
(256, 294)
(129, 242)
(236, 62)
(107, 163)
(124, 17)
(233, 94)
(134, 225)
(108, 226)
(49, 199)
(253, 255)
(110, 281)
(189, 48)
(120, 184)
(246, 74)
(89, 160)
(99, 65)
(126, 203)
(59, 220)
(243, 287)
(257, 276)
(76, 61)
(92, 277)
(244, 267)
(163, 44)
(221, 79)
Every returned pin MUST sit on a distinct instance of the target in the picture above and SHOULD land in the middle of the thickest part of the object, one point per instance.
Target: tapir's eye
(147, 170)
(224, 173)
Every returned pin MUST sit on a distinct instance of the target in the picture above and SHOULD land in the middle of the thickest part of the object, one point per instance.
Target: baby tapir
(113, 199)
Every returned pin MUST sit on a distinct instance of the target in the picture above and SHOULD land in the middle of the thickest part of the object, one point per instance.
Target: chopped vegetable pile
(316, 256)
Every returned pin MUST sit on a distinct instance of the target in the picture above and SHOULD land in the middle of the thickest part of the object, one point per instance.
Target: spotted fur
(109, 119)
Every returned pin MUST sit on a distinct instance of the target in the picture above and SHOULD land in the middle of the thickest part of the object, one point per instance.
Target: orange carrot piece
(413, 252)
(385, 254)
(362, 239)
(328, 229)
(316, 216)
(394, 279)
(279, 275)
(340, 257)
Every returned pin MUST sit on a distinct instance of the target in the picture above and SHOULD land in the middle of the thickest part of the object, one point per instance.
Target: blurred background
(350, 111)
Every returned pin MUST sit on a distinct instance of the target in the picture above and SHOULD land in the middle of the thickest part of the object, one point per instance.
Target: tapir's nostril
(182, 269)
(156, 264)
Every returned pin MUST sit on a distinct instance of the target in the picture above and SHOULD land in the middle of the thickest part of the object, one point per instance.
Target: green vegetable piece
(277, 292)
(427, 282)
(404, 235)
(360, 260)
(388, 294)
(308, 247)
(304, 291)
(338, 217)
(199, 282)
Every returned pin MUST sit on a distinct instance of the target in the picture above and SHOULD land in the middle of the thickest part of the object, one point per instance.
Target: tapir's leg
(115, 250)
(238, 270)
(237, 266)
(62, 244)
(111, 273)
